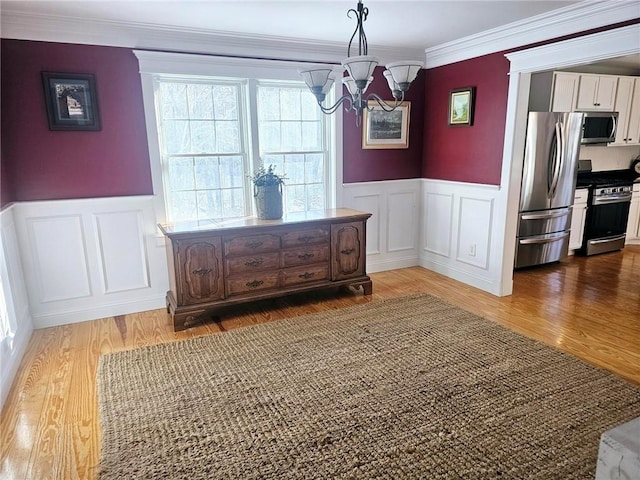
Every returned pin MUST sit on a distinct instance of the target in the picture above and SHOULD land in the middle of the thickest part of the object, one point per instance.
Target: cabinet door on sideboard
(348, 244)
(199, 270)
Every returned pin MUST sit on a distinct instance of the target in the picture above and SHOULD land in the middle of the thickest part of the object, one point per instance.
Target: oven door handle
(532, 241)
(608, 239)
(612, 199)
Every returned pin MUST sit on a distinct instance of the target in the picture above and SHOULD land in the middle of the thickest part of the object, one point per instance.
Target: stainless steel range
(607, 210)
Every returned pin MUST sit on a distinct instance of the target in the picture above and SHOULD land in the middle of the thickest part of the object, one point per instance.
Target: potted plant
(267, 191)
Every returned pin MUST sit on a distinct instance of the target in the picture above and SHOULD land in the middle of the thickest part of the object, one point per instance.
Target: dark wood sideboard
(213, 264)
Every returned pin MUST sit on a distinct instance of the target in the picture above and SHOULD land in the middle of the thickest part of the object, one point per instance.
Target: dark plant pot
(268, 201)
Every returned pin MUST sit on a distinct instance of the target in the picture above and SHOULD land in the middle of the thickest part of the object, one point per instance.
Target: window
(213, 132)
(204, 155)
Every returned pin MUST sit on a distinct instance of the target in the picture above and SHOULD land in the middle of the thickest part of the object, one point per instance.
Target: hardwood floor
(589, 307)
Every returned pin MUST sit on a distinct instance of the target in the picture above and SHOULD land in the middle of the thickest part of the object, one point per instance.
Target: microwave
(599, 127)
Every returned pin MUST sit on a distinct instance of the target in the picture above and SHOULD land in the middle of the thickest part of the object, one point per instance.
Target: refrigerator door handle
(552, 166)
(557, 165)
(531, 241)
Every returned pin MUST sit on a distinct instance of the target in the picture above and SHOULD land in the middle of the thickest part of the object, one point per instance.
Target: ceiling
(399, 24)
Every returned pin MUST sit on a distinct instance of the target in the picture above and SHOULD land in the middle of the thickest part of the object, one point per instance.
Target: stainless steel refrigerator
(548, 187)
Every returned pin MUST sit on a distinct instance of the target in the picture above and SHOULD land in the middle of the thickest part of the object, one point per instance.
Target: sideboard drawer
(305, 256)
(250, 244)
(252, 263)
(252, 282)
(309, 236)
(305, 274)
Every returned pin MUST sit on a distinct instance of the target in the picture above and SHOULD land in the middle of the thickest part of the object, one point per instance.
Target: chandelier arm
(383, 104)
(335, 106)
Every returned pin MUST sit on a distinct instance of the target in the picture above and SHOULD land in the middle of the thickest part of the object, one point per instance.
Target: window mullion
(255, 140)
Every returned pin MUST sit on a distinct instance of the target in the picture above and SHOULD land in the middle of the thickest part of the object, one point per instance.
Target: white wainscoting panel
(474, 221)
(462, 216)
(370, 203)
(438, 215)
(59, 257)
(90, 258)
(123, 255)
(16, 304)
(401, 232)
(392, 230)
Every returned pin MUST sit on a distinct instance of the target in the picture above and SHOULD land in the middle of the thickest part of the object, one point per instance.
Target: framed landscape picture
(461, 106)
(386, 129)
(71, 101)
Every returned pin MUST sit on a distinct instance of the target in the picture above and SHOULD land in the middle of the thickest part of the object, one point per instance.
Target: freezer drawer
(540, 249)
(544, 221)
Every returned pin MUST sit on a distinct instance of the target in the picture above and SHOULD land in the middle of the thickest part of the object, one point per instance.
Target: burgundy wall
(39, 164)
(466, 154)
(473, 154)
(372, 165)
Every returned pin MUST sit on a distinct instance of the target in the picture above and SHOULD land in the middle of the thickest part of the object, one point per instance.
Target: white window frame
(164, 64)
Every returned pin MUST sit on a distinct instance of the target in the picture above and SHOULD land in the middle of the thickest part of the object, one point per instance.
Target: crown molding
(64, 29)
(557, 23)
(618, 42)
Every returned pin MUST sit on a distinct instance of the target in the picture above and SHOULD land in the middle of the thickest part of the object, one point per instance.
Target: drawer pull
(254, 263)
(254, 283)
(347, 251)
(306, 275)
(306, 256)
(254, 244)
(202, 271)
(306, 238)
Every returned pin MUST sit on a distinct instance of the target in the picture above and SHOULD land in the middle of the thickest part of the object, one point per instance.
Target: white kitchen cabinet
(596, 92)
(633, 226)
(628, 107)
(578, 218)
(565, 92)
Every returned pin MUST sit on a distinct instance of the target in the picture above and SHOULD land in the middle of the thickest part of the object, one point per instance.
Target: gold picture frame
(384, 130)
(461, 107)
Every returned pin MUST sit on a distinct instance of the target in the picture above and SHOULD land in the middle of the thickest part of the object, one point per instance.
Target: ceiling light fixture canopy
(360, 69)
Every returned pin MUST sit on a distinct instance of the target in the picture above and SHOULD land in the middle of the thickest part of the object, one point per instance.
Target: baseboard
(104, 311)
(449, 270)
(10, 369)
(394, 264)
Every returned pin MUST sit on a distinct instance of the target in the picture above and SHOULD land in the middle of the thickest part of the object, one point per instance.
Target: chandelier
(360, 68)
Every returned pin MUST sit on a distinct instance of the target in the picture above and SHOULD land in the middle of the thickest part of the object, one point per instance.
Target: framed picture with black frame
(461, 103)
(71, 101)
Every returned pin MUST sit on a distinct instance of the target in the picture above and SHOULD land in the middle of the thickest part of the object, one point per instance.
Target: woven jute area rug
(406, 388)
